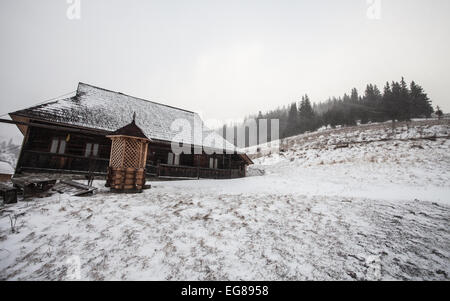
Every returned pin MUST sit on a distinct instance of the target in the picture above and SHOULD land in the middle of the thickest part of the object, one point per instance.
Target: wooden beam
(62, 171)
(58, 128)
(66, 155)
(22, 148)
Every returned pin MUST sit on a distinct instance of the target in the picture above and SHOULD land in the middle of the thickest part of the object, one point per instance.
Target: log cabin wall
(41, 140)
(158, 153)
(39, 153)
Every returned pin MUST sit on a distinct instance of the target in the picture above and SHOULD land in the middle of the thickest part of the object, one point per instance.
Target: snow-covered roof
(98, 108)
(131, 130)
(5, 168)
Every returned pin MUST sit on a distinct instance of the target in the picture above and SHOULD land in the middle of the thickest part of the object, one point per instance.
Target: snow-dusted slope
(368, 211)
(397, 166)
(362, 134)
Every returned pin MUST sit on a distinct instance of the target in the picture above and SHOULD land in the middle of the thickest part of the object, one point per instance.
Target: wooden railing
(49, 162)
(167, 171)
(35, 161)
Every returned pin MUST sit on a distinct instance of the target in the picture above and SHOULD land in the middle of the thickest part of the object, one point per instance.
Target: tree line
(398, 101)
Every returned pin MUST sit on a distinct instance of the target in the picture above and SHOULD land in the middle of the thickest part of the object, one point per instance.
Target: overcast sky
(224, 59)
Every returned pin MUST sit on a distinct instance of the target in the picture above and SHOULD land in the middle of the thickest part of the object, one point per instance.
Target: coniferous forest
(398, 101)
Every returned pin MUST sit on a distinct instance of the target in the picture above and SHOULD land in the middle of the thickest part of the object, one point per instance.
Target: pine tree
(378, 97)
(420, 103)
(388, 102)
(307, 118)
(404, 102)
(306, 111)
(439, 112)
(354, 96)
(292, 122)
(372, 100)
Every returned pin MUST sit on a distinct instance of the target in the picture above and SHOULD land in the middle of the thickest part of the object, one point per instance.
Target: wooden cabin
(70, 136)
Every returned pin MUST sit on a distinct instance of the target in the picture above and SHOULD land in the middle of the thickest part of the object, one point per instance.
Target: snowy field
(365, 211)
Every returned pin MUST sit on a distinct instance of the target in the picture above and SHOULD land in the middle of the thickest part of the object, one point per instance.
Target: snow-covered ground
(9, 152)
(347, 165)
(378, 210)
(6, 168)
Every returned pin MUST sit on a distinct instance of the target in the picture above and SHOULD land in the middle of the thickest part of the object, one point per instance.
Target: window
(58, 146)
(62, 146)
(54, 147)
(87, 152)
(173, 159)
(91, 150)
(213, 163)
(95, 149)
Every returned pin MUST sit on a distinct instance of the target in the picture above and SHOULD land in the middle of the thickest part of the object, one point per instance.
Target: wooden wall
(36, 153)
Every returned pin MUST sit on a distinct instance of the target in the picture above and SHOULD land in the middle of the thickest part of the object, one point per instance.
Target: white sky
(224, 59)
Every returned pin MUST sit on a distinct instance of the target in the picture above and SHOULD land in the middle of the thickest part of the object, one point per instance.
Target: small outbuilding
(126, 171)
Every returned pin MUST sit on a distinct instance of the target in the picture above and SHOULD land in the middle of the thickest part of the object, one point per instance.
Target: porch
(44, 162)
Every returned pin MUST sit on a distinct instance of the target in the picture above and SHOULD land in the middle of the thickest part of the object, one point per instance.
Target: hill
(375, 161)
